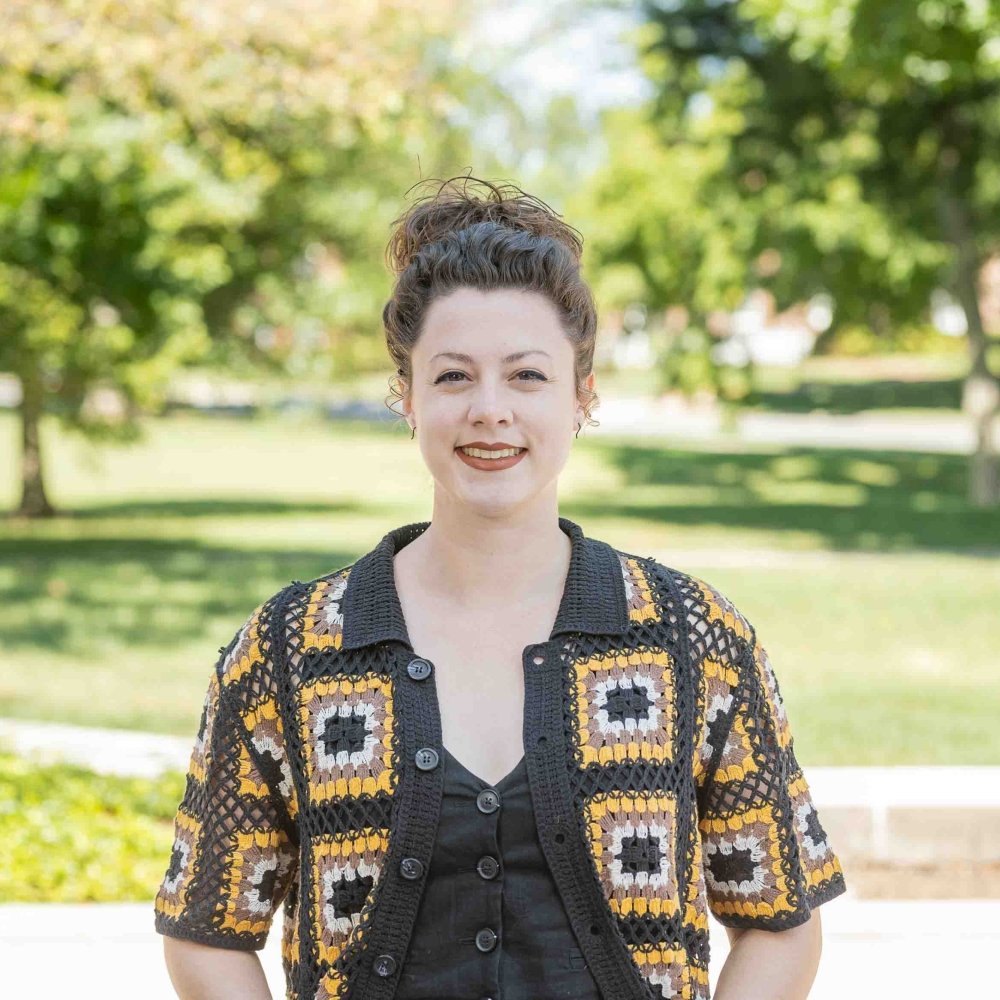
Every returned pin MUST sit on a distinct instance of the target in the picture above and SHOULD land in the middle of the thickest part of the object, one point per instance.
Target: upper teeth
(482, 453)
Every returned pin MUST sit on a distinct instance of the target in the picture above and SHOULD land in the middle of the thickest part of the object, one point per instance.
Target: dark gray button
(385, 965)
(411, 867)
(488, 867)
(427, 758)
(488, 800)
(419, 669)
(486, 939)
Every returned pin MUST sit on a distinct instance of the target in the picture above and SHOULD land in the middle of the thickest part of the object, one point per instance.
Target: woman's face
(489, 369)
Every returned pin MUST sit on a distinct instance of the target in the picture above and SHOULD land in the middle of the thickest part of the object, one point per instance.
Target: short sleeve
(235, 848)
(767, 860)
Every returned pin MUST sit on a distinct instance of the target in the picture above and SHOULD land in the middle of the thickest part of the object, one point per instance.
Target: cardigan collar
(594, 599)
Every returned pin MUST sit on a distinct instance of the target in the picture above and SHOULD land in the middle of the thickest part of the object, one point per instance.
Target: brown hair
(503, 238)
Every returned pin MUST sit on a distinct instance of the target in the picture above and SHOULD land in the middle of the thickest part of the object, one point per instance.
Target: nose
(490, 405)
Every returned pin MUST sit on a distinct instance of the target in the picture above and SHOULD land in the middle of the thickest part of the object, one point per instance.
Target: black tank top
(491, 925)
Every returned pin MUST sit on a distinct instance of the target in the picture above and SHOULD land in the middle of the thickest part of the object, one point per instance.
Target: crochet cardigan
(659, 757)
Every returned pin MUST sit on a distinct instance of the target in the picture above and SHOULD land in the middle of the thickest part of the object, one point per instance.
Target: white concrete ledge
(107, 751)
(912, 786)
(126, 751)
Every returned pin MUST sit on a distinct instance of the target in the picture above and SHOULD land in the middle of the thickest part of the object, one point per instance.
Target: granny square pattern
(345, 872)
(173, 892)
(624, 706)
(347, 725)
(322, 620)
(631, 843)
(261, 874)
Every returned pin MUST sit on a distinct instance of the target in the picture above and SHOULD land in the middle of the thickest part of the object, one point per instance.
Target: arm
(201, 972)
(235, 854)
(771, 965)
(768, 863)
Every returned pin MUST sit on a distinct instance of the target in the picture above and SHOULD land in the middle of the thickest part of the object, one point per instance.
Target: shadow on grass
(83, 595)
(851, 498)
(854, 397)
(80, 596)
(220, 507)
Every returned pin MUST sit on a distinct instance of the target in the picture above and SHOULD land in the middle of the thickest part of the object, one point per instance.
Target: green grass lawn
(73, 836)
(871, 582)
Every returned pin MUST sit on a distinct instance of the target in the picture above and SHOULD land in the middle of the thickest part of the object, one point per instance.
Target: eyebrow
(469, 360)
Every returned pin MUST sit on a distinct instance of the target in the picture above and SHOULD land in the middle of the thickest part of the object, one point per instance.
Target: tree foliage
(843, 146)
(176, 173)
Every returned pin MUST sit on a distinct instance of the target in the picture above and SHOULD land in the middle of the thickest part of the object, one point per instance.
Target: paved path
(944, 432)
(108, 751)
(876, 949)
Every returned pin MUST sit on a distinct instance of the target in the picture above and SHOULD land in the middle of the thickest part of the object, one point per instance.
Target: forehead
(484, 324)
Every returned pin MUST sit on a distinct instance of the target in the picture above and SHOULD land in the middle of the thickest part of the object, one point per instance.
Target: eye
(443, 377)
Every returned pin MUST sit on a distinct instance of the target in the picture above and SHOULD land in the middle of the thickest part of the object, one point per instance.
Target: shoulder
(251, 646)
(714, 624)
(644, 584)
(261, 640)
(710, 609)
(312, 612)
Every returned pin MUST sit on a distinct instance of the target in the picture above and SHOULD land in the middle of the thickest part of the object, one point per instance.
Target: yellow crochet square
(631, 837)
(346, 725)
(260, 873)
(623, 706)
(346, 869)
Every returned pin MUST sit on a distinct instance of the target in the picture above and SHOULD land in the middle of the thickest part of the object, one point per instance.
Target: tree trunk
(34, 502)
(981, 391)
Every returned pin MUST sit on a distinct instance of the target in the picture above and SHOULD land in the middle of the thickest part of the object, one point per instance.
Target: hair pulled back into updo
(495, 239)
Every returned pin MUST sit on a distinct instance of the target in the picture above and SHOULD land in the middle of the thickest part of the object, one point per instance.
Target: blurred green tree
(862, 139)
(175, 175)
(846, 147)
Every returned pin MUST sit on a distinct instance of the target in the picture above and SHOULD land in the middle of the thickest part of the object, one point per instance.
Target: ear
(588, 383)
(406, 399)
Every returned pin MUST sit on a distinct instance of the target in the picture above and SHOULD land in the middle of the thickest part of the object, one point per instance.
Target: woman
(495, 757)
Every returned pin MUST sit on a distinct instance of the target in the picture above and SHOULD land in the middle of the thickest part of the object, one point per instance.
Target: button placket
(488, 866)
(411, 868)
(490, 871)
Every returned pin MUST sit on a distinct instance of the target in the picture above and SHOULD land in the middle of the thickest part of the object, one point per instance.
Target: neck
(479, 564)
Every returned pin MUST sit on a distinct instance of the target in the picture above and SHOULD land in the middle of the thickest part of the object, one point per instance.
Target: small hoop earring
(578, 428)
(413, 430)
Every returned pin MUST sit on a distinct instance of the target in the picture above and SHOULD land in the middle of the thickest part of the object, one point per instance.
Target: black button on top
(427, 758)
(419, 669)
(411, 867)
(486, 939)
(385, 965)
(488, 800)
(488, 867)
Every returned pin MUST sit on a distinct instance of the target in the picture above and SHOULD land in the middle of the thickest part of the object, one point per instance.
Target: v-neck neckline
(505, 780)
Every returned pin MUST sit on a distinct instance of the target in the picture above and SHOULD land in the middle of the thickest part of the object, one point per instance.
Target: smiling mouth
(489, 454)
